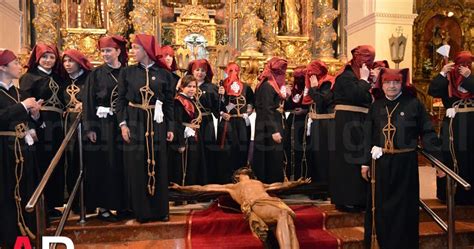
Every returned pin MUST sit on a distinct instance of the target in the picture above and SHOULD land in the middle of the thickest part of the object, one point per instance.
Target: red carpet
(214, 228)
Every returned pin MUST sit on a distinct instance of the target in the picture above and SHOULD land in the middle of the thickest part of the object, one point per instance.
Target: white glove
(246, 118)
(450, 112)
(376, 152)
(308, 126)
(29, 137)
(189, 132)
(102, 112)
(158, 117)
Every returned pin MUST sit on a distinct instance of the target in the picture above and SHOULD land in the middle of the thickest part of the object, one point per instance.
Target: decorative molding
(380, 18)
(7, 9)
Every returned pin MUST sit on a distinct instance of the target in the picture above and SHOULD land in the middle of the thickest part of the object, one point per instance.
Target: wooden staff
(374, 243)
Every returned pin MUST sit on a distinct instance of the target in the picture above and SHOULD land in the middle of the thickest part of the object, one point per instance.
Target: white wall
(10, 17)
(374, 21)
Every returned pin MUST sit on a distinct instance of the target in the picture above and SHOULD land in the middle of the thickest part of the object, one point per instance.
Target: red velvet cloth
(79, 58)
(187, 104)
(463, 58)
(232, 84)
(214, 228)
(6, 56)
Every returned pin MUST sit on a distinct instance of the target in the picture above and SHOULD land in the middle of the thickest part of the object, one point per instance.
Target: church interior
(406, 33)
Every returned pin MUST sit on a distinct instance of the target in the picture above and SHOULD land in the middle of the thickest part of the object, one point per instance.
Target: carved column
(325, 34)
(143, 17)
(270, 28)
(117, 21)
(46, 20)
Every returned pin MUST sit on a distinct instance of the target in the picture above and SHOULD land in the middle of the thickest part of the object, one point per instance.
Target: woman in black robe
(455, 86)
(146, 115)
(321, 146)
(105, 178)
(168, 58)
(42, 81)
(77, 67)
(395, 124)
(18, 179)
(208, 103)
(269, 158)
(352, 99)
(233, 133)
(190, 166)
(296, 141)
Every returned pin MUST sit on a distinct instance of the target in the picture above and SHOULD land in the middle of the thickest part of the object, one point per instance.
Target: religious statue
(290, 17)
(259, 208)
(47, 16)
(118, 23)
(251, 25)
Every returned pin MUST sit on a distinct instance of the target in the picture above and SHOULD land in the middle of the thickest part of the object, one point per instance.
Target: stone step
(431, 235)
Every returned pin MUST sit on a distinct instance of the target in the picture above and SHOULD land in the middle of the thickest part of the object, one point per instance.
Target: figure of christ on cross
(259, 208)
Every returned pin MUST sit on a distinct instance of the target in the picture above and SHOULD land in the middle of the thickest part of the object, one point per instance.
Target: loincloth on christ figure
(258, 227)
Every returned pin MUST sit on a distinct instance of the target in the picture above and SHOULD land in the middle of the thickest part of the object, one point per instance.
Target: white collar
(48, 72)
(148, 66)
(199, 84)
(186, 95)
(396, 97)
(5, 85)
(76, 75)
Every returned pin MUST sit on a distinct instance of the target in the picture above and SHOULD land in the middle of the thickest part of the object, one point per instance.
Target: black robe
(192, 161)
(105, 170)
(463, 139)
(209, 102)
(322, 146)
(296, 140)
(36, 83)
(269, 157)
(72, 152)
(346, 184)
(145, 204)
(397, 181)
(11, 115)
(234, 147)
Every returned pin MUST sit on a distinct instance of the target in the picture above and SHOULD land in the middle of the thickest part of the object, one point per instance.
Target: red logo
(22, 242)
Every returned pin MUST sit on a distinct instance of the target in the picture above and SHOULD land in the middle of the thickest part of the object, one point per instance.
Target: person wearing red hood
(208, 102)
(455, 86)
(295, 147)
(395, 124)
(104, 186)
(318, 95)
(146, 115)
(17, 114)
(352, 99)
(77, 67)
(167, 56)
(43, 82)
(270, 95)
(233, 133)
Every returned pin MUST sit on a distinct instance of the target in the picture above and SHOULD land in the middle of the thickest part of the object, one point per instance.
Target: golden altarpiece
(438, 23)
(246, 31)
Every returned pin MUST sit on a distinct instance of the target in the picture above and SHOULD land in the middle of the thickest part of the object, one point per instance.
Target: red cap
(165, 51)
(39, 50)
(363, 54)
(6, 56)
(463, 58)
(148, 42)
(204, 64)
(232, 84)
(115, 41)
(386, 75)
(79, 58)
(320, 69)
(275, 73)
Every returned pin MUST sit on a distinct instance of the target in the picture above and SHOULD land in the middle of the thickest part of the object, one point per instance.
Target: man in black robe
(455, 86)
(145, 111)
(394, 126)
(18, 166)
(269, 158)
(105, 178)
(352, 100)
(233, 134)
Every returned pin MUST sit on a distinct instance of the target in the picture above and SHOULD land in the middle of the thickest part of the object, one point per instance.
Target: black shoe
(107, 216)
(124, 214)
(350, 208)
(54, 213)
(164, 218)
